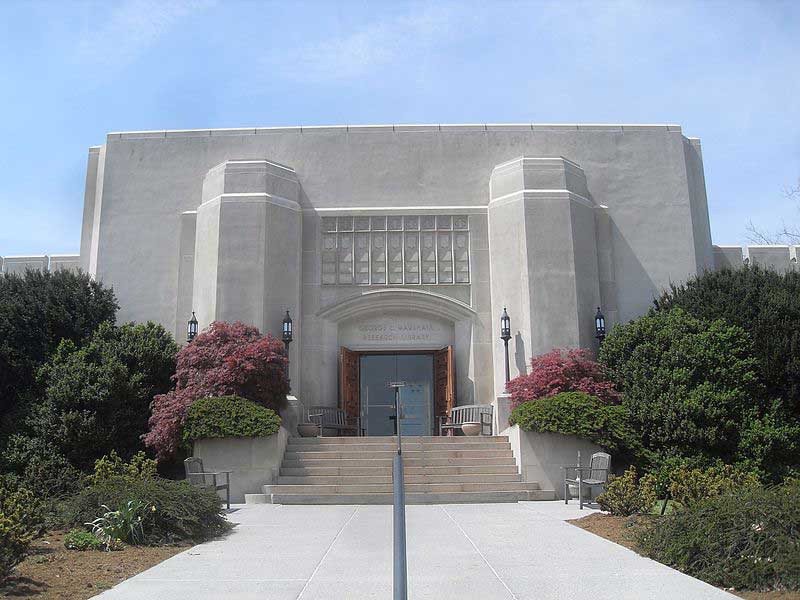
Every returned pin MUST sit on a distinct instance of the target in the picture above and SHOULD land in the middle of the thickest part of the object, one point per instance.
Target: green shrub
(764, 303)
(579, 414)
(37, 311)
(746, 540)
(689, 385)
(182, 512)
(627, 495)
(77, 539)
(688, 486)
(21, 521)
(111, 467)
(97, 396)
(40, 467)
(228, 416)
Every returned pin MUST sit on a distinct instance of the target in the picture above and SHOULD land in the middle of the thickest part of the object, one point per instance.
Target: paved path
(483, 551)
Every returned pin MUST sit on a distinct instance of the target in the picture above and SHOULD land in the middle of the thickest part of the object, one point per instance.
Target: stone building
(396, 248)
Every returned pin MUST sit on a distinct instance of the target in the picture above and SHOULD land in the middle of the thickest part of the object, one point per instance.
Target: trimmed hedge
(749, 539)
(579, 414)
(228, 416)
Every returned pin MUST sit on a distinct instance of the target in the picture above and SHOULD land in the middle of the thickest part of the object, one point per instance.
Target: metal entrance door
(377, 399)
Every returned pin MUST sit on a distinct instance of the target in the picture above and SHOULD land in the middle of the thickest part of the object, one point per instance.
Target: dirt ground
(52, 572)
(622, 530)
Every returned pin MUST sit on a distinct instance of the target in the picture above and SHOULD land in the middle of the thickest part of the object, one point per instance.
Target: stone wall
(53, 262)
(777, 258)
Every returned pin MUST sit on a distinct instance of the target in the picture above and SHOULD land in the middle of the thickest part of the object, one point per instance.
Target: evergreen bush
(628, 495)
(747, 540)
(228, 416)
(689, 385)
(37, 311)
(764, 303)
(180, 511)
(21, 521)
(579, 414)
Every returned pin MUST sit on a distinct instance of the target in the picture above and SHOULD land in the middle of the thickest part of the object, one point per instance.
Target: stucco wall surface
(254, 462)
(541, 456)
(149, 178)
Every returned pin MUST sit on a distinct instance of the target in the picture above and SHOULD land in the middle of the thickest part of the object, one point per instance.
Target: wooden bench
(196, 476)
(327, 417)
(593, 476)
(472, 413)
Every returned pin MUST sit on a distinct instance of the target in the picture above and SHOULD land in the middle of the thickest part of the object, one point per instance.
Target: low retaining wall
(254, 462)
(540, 456)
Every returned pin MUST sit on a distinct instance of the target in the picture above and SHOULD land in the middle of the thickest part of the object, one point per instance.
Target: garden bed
(622, 531)
(51, 571)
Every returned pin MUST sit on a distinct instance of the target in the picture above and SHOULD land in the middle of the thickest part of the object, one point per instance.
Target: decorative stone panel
(395, 250)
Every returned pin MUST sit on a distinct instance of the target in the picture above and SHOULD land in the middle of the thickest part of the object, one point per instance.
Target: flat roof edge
(395, 128)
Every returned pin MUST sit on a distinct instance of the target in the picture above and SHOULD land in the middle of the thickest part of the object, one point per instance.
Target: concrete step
(389, 454)
(383, 462)
(386, 470)
(411, 498)
(320, 441)
(388, 447)
(386, 488)
(387, 479)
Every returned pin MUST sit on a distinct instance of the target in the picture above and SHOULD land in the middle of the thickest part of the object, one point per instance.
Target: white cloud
(359, 52)
(117, 36)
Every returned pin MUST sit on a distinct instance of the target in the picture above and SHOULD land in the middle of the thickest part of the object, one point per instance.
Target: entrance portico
(399, 334)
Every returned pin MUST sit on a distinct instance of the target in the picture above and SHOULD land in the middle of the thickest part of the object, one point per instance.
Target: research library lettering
(395, 249)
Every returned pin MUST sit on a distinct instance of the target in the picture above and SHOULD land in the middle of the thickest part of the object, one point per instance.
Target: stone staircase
(438, 470)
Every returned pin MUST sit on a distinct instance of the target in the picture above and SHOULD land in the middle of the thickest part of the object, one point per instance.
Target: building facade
(396, 248)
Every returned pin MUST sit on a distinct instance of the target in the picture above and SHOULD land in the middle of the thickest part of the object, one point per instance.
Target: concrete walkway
(486, 551)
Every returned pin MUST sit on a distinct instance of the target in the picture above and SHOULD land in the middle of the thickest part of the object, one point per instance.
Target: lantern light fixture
(505, 335)
(600, 326)
(191, 329)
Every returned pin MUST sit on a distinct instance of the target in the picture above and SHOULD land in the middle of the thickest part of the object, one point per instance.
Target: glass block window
(395, 250)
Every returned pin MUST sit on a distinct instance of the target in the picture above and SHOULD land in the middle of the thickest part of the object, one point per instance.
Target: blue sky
(71, 71)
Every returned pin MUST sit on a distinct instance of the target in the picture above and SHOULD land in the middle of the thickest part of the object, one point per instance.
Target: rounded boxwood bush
(745, 539)
(579, 414)
(228, 416)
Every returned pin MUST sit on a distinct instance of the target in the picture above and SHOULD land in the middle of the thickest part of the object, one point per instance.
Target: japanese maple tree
(226, 359)
(559, 371)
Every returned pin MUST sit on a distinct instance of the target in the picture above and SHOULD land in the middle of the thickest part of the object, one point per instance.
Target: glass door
(377, 399)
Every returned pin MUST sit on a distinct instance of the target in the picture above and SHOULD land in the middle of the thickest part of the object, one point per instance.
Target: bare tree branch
(788, 233)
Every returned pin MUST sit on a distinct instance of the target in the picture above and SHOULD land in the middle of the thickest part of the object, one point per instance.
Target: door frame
(405, 352)
(437, 402)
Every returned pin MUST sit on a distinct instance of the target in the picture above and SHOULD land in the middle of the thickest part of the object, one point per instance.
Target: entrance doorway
(429, 392)
(416, 397)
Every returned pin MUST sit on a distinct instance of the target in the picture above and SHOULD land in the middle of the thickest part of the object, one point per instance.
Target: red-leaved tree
(562, 371)
(225, 359)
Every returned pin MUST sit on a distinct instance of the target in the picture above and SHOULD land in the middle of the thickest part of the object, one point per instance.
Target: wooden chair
(196, 476)
(596, 476)
(472, 413)
(327, 417)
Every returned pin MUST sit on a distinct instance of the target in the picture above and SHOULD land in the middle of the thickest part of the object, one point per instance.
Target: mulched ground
(52, 572)
(622, 530)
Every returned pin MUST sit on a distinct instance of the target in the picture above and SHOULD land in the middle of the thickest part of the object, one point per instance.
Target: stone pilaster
(248, 247)
(544, 264)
